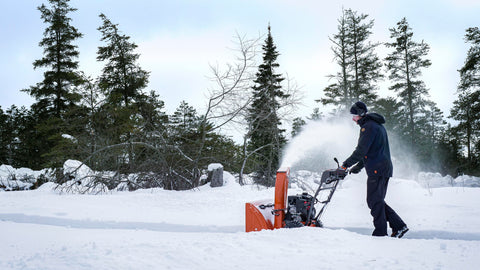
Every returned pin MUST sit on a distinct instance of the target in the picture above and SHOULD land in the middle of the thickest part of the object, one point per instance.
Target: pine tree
(5, 137)
(122, 82)
(404, 64)
(366, 64)
(184, 120)
(339, 92)
(25, 138)
(122, 79)
(431, 128)
(57, 93)
(392, 111)
(360, 66)
(315, 115)
(184, 136)
(297, 126)
(266, 137)
(466, 109)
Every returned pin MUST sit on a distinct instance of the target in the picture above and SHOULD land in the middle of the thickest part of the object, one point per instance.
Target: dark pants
(380, 211)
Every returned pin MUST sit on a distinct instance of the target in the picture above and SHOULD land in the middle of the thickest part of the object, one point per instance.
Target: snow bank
(83, 179)
(21, 178)
(436, 180)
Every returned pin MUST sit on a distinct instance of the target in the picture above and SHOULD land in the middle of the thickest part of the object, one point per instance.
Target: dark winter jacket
(372, 151)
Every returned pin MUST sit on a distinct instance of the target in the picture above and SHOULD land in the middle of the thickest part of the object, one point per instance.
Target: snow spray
(319, 142)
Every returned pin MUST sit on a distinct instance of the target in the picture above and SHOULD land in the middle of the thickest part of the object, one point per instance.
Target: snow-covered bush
(22, 178)
(80, 179)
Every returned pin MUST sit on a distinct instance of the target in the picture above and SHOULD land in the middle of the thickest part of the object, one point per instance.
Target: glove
(355, 170)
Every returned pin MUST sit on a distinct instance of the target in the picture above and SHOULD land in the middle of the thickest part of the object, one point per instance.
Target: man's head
(359, 110)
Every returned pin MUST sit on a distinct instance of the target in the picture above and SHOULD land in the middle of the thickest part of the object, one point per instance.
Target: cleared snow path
(170, 227)
(121, 225)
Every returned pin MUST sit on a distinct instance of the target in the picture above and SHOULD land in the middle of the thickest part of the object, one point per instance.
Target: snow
(204, 229)
(70, 137)
(19, 178)
(214, 166)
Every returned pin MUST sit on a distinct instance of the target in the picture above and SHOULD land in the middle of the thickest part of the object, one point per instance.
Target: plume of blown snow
(320, 141)
(315, 147)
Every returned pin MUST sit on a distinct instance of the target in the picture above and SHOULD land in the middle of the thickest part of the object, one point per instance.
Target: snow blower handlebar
(328, 177)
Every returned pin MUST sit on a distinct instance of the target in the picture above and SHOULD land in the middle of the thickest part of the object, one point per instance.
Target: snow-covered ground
(204, 229)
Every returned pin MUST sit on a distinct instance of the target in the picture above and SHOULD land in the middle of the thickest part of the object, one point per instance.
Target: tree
(57, 93)
(360, 67)
(404, 64)
(392, 111)
(122, 79)
(23, 138)
(431, 128)
(366, 64)
(266, 138)
(297, 126)
(315, 115)
(338, 93)
(5, 138)
(466, 109)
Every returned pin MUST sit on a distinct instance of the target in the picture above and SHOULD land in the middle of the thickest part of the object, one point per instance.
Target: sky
(179, 40)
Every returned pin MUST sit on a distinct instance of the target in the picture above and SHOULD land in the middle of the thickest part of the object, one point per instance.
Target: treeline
(111, 123)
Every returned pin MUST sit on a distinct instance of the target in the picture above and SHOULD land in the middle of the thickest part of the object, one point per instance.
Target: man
(373, 153)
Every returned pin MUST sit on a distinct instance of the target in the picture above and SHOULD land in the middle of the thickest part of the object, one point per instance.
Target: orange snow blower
(300, 211)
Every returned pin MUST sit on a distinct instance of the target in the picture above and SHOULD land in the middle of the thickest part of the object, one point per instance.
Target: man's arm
(367, 135)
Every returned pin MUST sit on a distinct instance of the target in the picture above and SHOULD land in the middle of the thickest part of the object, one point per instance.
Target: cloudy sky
(179, 39)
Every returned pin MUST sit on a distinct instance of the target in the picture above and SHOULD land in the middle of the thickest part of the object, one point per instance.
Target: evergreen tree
(366, 64)
(122, 79)
(183, 135)
(153, 119)
(404, 64)
(450, 153)
(360, 66)
(392, 111)
(24, 139)
(315, 115)
(266, 137)
(184, 120)
(339, 92)
(297, 126)
(57, 93)
(431, 128)
(466, 109)
(5, 138)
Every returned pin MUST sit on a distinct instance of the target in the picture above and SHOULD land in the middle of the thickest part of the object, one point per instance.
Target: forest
(114, 125)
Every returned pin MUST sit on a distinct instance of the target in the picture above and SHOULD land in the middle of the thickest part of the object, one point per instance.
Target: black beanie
(359, 108)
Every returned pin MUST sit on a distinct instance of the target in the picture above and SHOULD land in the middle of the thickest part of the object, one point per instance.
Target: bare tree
(230, 97)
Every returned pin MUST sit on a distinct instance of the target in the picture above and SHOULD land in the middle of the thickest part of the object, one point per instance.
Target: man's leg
(396, 223)
(376, 189)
